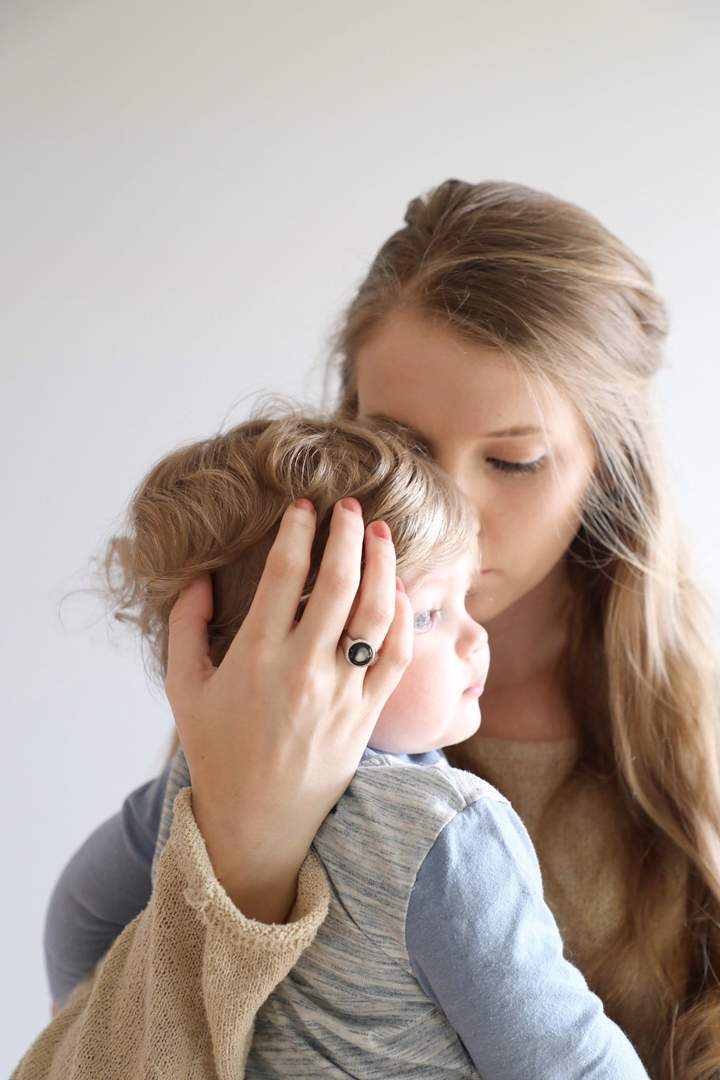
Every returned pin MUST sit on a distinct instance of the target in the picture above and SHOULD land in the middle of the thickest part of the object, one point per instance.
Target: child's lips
(476, 688)
(479, 676)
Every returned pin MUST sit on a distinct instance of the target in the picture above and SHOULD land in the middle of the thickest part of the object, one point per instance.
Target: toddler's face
(436, 701)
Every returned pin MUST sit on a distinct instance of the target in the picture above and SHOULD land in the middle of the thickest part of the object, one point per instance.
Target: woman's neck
(525, 695)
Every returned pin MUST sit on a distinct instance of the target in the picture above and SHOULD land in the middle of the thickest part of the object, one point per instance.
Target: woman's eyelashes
(517, 466)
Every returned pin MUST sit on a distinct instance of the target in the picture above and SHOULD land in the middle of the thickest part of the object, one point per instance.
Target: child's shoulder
(427, 778)
(391, 816)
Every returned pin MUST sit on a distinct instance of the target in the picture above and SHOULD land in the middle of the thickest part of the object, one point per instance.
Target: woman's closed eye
(517, 466)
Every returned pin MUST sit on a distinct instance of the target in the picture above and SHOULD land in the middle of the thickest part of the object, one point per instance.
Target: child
(438, 956)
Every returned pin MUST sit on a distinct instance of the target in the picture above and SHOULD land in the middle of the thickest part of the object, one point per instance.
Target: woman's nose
(468, 477)
(451, 456)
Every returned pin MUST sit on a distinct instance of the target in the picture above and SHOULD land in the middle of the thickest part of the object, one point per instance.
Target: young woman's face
(514, 446)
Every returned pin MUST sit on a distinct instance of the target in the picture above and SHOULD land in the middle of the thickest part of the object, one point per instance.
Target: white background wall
(188, 194)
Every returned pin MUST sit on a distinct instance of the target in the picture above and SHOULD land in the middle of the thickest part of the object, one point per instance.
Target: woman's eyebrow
(513, 432)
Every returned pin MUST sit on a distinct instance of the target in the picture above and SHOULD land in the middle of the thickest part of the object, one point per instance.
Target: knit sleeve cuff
(205, 894)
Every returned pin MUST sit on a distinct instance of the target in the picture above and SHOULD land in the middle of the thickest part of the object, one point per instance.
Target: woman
(520, 337)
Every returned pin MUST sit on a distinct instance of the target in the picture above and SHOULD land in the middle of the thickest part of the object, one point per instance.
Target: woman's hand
(273, 736)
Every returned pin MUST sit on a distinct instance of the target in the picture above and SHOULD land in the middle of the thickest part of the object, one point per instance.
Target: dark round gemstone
(360, 653)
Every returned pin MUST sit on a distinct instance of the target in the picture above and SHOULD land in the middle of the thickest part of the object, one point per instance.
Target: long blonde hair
(545, 284)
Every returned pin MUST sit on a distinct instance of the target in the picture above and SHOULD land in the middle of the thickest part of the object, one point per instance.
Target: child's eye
(517, 466)
(425, 620)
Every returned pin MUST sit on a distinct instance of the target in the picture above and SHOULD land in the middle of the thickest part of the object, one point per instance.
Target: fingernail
(379, 528)
(352, 504)
(304, 504)
(399, 585)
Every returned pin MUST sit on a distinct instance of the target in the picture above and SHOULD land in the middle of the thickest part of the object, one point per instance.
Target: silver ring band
(358, 651)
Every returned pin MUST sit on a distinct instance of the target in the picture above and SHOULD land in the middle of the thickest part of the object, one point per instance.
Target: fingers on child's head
(195, 599)
(395, 652)
(187, 644)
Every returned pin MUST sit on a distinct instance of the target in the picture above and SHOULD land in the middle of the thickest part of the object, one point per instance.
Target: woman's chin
(488, 601)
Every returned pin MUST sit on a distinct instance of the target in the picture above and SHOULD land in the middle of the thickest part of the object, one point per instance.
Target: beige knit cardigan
(176, 995)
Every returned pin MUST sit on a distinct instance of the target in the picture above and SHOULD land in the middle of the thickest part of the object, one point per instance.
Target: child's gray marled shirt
(439, 957)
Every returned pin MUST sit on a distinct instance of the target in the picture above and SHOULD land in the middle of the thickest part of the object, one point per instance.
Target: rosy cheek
(423, 684)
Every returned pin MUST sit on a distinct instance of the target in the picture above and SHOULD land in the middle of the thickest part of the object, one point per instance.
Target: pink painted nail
(380, 529)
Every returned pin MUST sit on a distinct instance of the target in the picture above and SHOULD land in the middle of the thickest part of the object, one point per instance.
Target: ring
(358, 651)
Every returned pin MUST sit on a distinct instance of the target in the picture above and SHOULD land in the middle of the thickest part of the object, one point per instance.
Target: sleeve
(103, 887)
(485, 948)
(178, 992)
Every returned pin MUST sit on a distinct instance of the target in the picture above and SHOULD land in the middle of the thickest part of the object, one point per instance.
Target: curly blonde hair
(549, 287)
(215, 507)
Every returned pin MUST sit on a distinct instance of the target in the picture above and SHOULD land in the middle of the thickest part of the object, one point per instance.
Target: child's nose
(476, 637)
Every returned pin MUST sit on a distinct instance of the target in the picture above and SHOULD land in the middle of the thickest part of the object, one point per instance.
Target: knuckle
(304, 686)
(401, 654)
(404, 657)
(287, 564)
(260, 658)
(178, 616)
(339, 579)
(378, 615)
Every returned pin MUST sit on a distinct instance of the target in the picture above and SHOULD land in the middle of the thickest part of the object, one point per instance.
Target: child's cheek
(403, 723)
(415, 711)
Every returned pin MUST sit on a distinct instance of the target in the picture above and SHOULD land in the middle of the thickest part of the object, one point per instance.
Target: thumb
(188, 651)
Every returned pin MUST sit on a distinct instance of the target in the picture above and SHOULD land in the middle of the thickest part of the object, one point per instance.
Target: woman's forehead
(428, 378)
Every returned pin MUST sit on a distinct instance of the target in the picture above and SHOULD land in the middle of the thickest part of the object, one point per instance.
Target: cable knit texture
(177, 994)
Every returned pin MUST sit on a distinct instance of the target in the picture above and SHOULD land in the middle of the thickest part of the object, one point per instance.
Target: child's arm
(485, 947)
(177, 994)
(103, 887)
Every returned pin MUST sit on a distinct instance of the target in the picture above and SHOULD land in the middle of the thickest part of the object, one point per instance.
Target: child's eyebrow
(422, 582)
(425, 581)
(431, 579)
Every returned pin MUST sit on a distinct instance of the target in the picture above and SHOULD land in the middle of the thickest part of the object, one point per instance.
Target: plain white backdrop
(189, 193)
